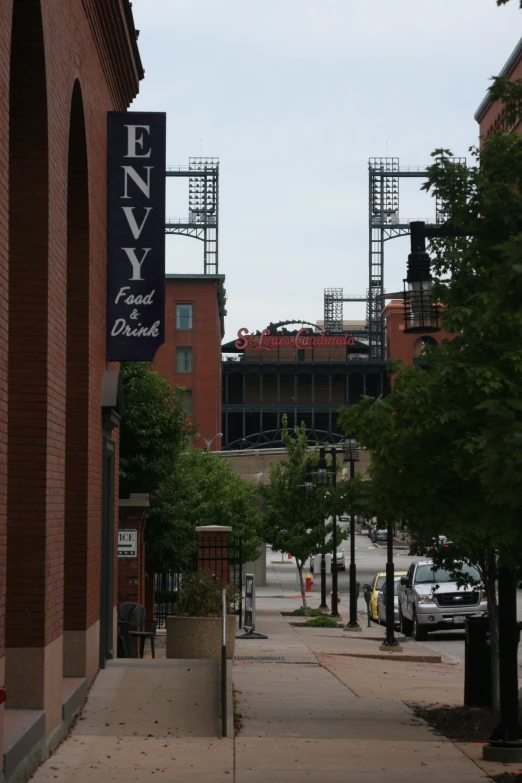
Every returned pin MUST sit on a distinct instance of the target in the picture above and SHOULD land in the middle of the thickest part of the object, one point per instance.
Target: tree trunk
(303, 589)
(489, 572)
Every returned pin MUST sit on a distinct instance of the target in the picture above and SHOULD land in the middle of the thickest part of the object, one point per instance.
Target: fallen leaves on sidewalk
(459, 724)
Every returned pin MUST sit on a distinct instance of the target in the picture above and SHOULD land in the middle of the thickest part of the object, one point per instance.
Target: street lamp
(350, 449)
(211, 441)
(420, 312)
(311, 481)
(320, 478)
(351, 455)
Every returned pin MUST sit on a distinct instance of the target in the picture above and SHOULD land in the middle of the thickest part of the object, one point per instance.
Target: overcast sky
(294, 96)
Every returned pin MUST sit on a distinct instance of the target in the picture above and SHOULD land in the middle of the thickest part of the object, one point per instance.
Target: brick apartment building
(191, 354)
(63, 66)
(490, 116)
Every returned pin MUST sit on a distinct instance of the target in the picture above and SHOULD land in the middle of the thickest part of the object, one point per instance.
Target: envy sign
(135, 235)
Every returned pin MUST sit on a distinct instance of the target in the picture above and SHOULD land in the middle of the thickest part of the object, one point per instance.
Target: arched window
(420, 344)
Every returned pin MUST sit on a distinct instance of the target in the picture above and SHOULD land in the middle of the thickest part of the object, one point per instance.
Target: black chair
(131, 615)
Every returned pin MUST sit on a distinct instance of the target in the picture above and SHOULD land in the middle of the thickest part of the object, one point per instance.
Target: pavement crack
(339, 680)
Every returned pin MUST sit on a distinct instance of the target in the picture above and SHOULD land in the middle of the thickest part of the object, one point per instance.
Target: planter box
(199, 637)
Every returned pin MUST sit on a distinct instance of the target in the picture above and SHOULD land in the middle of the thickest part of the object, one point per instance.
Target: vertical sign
(127, 543)
(135, 235)
(250, 603)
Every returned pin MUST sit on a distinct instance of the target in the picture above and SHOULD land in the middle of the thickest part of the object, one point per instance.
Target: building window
(183, 359)
(188, 402)
(183, 316)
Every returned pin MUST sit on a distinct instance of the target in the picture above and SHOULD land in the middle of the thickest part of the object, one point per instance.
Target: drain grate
(259, 658)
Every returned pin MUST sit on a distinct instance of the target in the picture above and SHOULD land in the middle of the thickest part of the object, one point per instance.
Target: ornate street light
(351, 455)
(319, 478)
(209, 441)
(308, 486)
(420, 311)
(351, 450)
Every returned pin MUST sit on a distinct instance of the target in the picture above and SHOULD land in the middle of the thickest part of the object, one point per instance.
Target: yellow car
(378, 581)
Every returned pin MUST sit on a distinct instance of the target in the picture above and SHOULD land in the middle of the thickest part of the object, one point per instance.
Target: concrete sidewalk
(311, 714)
(305, 710)
(147, 718)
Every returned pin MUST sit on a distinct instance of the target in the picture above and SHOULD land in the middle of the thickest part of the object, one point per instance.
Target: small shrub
(321, 622)
(201, 595)
(301, 612)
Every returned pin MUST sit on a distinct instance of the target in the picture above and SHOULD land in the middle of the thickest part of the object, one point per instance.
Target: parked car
(376, 586)
(379, 580)
(341, 563)
(430, 599)
(379, 535)
(381, 601)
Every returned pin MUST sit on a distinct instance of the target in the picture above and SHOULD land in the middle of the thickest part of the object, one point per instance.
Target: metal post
(353, 568)
(335, 612)
(508, 733)
(323, 604)
(390, 640)
(224, 667)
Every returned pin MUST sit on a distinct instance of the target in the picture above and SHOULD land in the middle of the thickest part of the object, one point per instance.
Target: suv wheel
(404, 624)
(419, 633)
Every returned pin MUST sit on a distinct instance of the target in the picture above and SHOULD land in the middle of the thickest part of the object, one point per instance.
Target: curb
(383, 656)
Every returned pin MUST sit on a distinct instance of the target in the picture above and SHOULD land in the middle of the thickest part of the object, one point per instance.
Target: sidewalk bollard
(367, 590)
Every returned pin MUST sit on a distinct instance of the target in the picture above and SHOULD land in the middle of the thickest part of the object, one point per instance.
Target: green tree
(293, 520)
(447, 444)
(153, 434)
(202, 490)
(153, 430)
(205, 490)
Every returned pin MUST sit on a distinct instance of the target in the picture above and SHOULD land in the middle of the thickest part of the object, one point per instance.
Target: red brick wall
(398, 344)
(40, 348)
(213, 553)
(5, 39)
(205, 339)
(492, 119)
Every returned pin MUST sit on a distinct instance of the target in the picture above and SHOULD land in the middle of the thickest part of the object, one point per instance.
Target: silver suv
(429, 599)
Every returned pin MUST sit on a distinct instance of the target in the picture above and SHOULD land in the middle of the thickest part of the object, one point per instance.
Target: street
(371, 559)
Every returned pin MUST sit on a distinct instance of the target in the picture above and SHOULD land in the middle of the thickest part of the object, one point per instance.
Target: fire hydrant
(309, 583)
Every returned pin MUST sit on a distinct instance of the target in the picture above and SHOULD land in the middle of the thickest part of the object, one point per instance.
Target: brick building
(490, 116)
(191, 354)
(63, 66)
(407, 347)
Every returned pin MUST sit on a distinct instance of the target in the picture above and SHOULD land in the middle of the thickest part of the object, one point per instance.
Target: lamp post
(351, 454)
(350, 450)
(390, 640)
(320, 478)
(309, 487)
